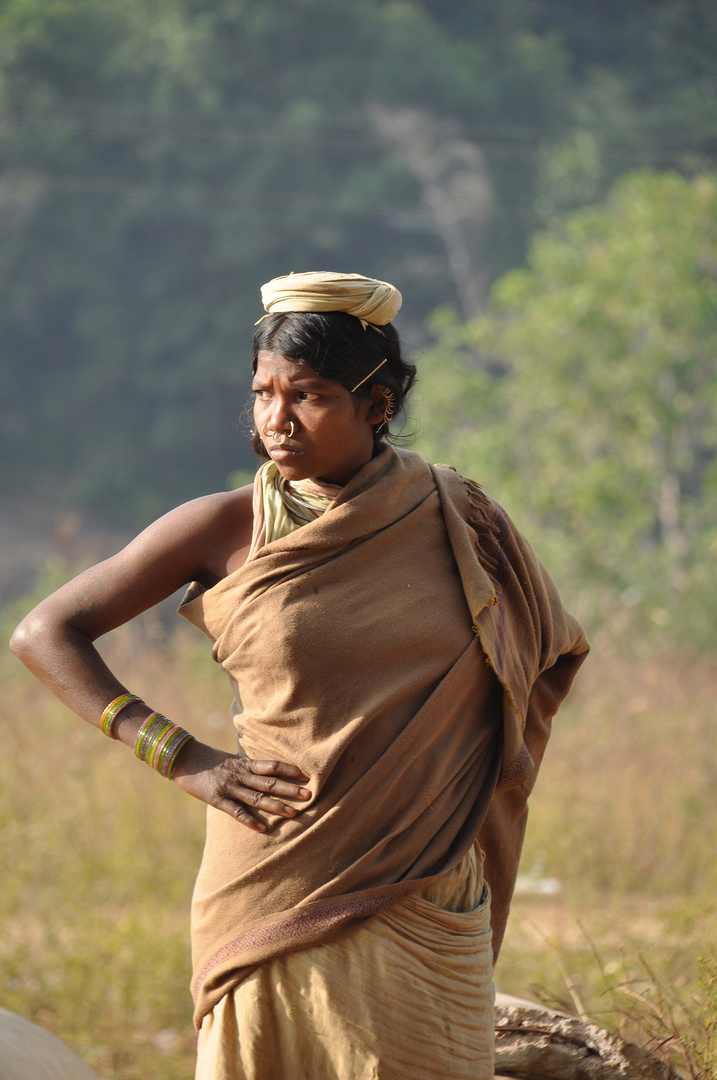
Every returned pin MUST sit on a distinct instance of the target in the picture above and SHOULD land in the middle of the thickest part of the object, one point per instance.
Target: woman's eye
(262, 395)
(304, 395)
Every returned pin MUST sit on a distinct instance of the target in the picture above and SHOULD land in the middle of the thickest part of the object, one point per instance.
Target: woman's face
(333, 430)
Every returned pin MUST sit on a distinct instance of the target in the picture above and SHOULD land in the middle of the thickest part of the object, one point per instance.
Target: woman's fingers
(264, 776)
(240, 802)
(257, 800)
(249, 785)
(240, 786)
(275, 768)
(241, 814)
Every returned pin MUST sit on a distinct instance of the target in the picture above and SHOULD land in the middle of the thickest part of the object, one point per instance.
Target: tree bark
(533, 1043)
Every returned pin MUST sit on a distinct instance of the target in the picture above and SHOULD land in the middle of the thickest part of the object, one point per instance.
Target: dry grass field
(616, 917)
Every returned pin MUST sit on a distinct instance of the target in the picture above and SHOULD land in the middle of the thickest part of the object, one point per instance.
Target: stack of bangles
(158, 741)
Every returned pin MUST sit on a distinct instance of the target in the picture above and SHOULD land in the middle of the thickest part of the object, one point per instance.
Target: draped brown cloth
(407, 650)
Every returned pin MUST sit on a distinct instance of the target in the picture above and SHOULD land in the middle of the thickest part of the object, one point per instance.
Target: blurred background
(539, 178)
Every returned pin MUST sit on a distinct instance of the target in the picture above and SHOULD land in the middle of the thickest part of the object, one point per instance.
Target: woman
(396, 653)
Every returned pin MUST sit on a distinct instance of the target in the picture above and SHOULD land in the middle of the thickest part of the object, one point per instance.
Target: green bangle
(150, 731)
(113, 710)
(164, 748)
(159, 742)
(182, 742)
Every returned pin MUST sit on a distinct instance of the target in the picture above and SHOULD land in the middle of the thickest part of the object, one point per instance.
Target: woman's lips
(282, 451)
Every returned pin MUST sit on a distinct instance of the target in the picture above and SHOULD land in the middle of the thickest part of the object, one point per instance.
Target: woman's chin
(290, 463)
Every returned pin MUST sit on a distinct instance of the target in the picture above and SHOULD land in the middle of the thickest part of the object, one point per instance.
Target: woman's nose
(280, 416)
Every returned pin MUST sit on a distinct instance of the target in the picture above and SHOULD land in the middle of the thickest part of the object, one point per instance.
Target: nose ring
(267, 431)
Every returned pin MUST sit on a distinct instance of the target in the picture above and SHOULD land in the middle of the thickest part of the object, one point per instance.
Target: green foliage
(588, 400)
(160, 161)
(705, 1050)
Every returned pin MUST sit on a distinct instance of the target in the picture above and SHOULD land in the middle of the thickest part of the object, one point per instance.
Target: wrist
(130, 721)
(191, 759)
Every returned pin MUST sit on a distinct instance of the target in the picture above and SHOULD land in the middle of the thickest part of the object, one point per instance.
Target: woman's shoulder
(204, 516)
(229, 507)
(205, 538)
(220, 525)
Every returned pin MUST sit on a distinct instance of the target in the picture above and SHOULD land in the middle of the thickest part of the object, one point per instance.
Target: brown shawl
(357, 650)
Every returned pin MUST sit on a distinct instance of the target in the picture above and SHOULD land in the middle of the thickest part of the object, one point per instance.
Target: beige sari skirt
(405, 994)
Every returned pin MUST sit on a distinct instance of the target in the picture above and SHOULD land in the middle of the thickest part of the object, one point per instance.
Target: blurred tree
(158, 162)
(586, 398)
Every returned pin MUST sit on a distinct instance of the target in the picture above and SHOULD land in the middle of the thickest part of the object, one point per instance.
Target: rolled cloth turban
(370, 300)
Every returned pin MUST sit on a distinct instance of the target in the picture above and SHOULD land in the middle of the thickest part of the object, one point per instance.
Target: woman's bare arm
(203, 541)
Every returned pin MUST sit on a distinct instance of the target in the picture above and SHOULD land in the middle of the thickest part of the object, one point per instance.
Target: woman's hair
(336, 345)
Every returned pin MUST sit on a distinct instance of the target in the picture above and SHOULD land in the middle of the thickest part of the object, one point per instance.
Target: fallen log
(534, 1043)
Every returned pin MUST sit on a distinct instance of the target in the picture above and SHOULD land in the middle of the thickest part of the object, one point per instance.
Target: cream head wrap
(371, 301)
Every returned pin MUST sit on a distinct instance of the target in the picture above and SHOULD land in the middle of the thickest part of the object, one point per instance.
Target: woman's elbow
(29, 637)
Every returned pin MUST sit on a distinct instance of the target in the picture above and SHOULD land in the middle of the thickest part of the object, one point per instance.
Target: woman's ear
(377, 408)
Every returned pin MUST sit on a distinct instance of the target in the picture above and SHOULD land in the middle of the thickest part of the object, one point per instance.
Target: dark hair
(336, 345)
